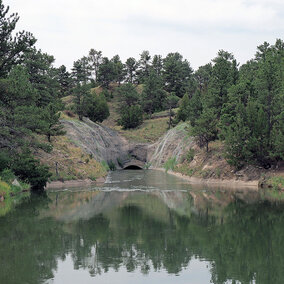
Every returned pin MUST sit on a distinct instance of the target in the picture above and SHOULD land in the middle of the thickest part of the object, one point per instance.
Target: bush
(170, 164)
(105, 165)
(131, 117)
(190, 155)
(31, 171)
(5, 160)
(7, 175)
(95, 107)
(111, 165)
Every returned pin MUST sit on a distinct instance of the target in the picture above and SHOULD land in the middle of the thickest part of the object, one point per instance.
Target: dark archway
(132, 167)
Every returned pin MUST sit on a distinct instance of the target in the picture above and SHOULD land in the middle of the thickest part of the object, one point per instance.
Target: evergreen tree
(12, 48)
(106, 73)
(153, 94)
(143, 67)
(64, 79)
(95, 107)
(50, 121)
(204, 128)
(131, 67)
(42, 75)
(119, 71)
(131, 116)
(177, 74)
(82, 70)
(183, 111)
(95, 59)
(157, 64)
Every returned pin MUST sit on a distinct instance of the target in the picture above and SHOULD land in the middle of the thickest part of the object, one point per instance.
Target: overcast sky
(197, 29)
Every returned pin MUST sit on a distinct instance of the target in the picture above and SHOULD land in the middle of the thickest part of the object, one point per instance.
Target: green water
(143, 227)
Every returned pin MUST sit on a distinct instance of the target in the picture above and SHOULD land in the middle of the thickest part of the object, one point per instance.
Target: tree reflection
(243, 242)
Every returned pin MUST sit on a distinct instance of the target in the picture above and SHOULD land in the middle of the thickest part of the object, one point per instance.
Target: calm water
(143, 227)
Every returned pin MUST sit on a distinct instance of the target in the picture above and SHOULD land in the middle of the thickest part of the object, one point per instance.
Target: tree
(157, 64)
(131, 117)
(42, 75)
(205, 128)
(82, 70)
(183, 111)
(50, 121)
(171, 102)
(95, 107)
(223, 76)
(106, 73)
(80, 92)
(29, 169)
(95, 59)
(202, 77)
(131, 67)
(143, 67)
(128, 95)
(64, 79)
(153, 94)
(119, 71)
(12, 48)
(177, 73)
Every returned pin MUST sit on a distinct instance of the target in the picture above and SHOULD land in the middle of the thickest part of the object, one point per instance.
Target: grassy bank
(12, 191)
(67, 161)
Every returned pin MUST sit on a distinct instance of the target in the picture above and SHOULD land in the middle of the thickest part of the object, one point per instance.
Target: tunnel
(132, 167)
(134, 164)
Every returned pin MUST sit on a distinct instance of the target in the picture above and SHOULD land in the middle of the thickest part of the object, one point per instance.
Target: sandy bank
(74, 183)
(232, 183)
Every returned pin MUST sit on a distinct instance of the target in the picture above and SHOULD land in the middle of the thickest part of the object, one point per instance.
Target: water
(143, 227)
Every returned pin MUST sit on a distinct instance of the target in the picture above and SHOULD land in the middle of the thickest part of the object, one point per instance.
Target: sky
(68, 29)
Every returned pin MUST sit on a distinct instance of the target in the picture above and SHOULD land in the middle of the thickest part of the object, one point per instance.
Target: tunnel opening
(132, 167)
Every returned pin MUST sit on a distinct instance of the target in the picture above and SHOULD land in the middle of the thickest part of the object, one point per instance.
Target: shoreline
(73, 183)
(230, 183)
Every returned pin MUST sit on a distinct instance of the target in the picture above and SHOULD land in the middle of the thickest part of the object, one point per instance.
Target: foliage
(153, 93)
(170, 164)
(190, 155)
(111, 165)
(95, 107)
(131, 117)
(12, 48)
(27, 168)
(176, 74)
(277, 182)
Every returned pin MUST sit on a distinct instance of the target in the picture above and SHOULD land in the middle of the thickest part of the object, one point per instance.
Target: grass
(72, 162)
(170, 164)
(276, 182)
(150, 131)
(10, 194)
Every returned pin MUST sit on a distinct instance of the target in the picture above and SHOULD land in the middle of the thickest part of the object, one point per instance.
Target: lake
(143, 227)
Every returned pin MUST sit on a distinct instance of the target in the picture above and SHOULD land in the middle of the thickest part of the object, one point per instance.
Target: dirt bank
(74, 183)
(229, 183)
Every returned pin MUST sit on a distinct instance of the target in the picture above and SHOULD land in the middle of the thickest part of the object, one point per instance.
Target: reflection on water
(143, 227)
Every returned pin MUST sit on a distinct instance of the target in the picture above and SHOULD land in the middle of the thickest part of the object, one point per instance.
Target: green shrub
(31, 171)
(95, 107)
(5, 160)
(147, 165)
(111, 165)
(170, 164)
(105, 165)
(131, 117)
(190, 155)
(7, 175)
(277, 183)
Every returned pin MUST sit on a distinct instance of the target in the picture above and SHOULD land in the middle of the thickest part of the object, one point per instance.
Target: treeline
(163, 82)
(243, 106)
(30, 88)
(240, 105)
